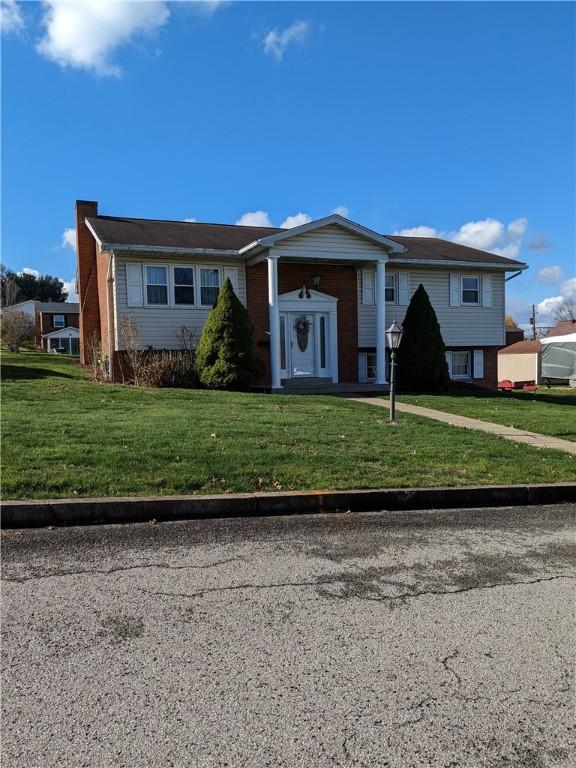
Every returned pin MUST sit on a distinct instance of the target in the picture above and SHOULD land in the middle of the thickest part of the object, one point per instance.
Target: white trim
(569, 337)
(318, 302)
(274, 321)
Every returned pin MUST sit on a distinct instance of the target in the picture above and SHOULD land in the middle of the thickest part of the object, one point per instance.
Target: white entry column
(381, 322)
(274, 316)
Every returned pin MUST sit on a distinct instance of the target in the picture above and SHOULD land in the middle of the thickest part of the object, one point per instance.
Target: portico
(316, 341)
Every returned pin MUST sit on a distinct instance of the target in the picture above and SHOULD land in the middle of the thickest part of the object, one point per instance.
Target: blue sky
(454, 119)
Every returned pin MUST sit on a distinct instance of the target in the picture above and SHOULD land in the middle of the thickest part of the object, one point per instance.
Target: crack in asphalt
(448, 668)
(160, 566)
(382, 598)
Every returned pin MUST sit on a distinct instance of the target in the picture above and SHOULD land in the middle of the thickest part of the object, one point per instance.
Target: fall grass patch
(65, 436)
(547, 411)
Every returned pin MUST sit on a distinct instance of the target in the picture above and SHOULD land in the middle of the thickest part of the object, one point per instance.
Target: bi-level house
(320, 295)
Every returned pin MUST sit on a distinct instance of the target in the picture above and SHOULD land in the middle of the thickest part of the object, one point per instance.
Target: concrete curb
(36, 514)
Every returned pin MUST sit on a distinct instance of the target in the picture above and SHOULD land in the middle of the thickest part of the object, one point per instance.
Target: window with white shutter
(134, 285)
(454, 290)
(487, 290)
(478, 363)
(368, 286)
(403, 288)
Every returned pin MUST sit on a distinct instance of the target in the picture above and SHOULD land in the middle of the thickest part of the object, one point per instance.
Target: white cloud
(207, 7)
(254, 219)
(84, 33)
(30, 271)
(11, 19)
(546, 308)
(295, 221)
(568, 288)
(509, 251)
(420, 231)
(486, 235)
(191, 220)
(517, 228)
(70, 288)
(549, 275)
(277, 40)
(342, 210)
(69, 238)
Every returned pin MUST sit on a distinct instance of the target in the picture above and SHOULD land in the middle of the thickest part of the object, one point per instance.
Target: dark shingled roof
(176, 234)
(184, 234)
(521, 348)
(563, 328)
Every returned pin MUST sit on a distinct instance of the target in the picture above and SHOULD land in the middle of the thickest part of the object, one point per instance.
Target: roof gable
(345, 224)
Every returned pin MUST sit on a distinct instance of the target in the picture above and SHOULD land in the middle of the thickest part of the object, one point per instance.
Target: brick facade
(88, 287)
(490, 379)
(45, 324)
(338, 280)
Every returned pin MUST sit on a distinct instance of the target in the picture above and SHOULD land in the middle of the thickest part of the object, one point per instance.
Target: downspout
(110, 312)
(506, 279)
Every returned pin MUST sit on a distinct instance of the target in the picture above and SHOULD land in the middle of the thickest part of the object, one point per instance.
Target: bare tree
(187, 339)
(9, 290)
(16, 329)
(566, 310)
(96, 358)
(130, 335)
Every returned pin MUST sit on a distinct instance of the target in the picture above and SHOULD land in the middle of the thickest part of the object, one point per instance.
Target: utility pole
(533, 321)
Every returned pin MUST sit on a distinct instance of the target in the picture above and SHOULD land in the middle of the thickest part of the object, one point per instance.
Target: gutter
(516, 274)
(167, 249)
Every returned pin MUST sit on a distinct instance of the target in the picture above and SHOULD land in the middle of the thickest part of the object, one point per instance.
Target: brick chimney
(87, 277)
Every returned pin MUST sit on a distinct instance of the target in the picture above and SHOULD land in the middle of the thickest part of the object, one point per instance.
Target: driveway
(382, 639)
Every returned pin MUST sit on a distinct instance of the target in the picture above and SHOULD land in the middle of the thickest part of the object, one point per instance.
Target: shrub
(422, 362)
(168, 369)
(16, 330)
(226, 358)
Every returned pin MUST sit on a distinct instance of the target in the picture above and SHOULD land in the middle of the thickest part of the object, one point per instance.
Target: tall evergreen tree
(226, 357)
(421, 356)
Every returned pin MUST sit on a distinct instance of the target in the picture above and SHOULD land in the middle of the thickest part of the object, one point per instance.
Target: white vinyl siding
(461, 326)
(159, 324)
(330, 241)
(232, 273)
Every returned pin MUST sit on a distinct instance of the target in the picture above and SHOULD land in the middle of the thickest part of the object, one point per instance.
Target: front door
(303, 344)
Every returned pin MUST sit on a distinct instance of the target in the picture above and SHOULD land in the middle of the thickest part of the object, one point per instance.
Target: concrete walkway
(510, 433)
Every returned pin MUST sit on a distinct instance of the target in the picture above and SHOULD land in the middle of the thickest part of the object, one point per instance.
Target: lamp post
(393, 339)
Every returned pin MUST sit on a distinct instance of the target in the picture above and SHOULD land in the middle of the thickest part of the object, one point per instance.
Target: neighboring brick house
(321, 295)
(57, 325)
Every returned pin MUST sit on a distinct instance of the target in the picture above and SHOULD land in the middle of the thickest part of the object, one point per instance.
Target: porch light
(394, 336)
(393, 339)
(316, 281)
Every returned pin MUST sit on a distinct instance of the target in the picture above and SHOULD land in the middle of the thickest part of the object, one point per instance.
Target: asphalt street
(441, 638)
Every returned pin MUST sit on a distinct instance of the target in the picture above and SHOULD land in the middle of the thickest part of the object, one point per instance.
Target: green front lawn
(65, 436)
(547, 411)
